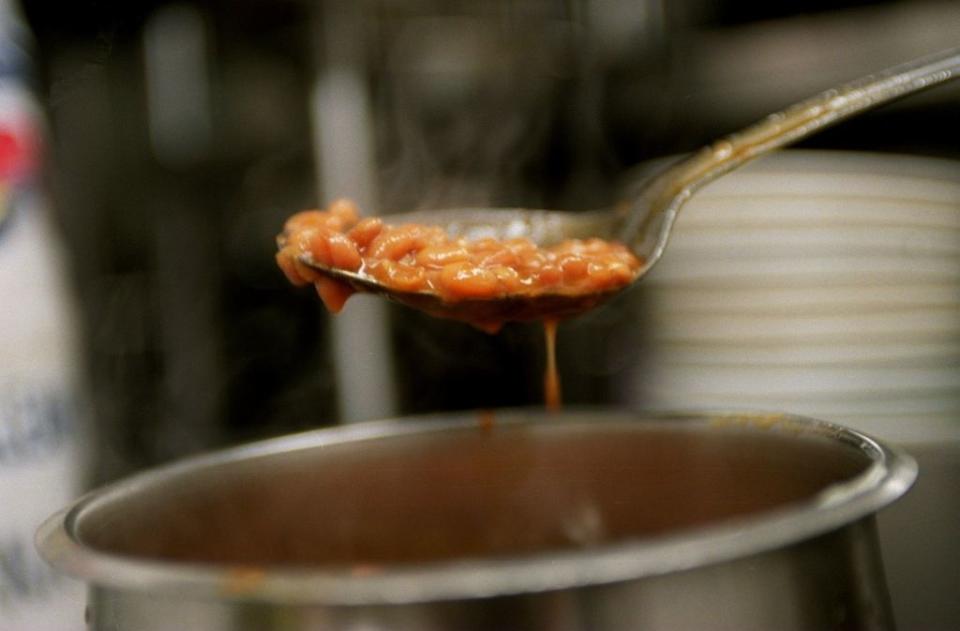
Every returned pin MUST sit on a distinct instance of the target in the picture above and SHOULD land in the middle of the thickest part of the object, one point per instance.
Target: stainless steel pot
(583, 520)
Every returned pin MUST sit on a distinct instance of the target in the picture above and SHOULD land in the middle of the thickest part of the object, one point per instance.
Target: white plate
(813, 173)
(917, 325)
(820, 283)
(857, 405)
(723, 301)
(852, 355)
(784, 242)
(936, 383)
(752, 210)
(794, 170)
(844, 270)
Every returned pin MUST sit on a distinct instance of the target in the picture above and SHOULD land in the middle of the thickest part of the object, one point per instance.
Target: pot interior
(465, 493)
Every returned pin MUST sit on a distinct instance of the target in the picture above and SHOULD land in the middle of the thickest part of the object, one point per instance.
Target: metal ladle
(646, 221)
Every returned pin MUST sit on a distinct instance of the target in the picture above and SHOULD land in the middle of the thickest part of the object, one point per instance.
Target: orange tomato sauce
(416, 258)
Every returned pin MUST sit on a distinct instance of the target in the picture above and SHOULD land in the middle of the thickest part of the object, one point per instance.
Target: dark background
(192, 337)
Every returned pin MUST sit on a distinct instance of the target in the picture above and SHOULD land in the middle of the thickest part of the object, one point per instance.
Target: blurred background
(182, 135)
(179, 135)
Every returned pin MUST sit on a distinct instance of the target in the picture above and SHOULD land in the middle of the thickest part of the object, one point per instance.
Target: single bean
(305, 271)
(509, 278)
(395, 243)
(399, 276)
(463, 280)
(549, 275)
(333, 293)
(503, 256)
(345, 210)
(603, 275)
(365, 231)
(318, 246)
(573, 267)
(443, 254)
(285, 259)
(343, 252)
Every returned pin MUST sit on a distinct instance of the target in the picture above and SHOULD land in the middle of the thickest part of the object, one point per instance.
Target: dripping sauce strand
(551, 377)
(552, 395)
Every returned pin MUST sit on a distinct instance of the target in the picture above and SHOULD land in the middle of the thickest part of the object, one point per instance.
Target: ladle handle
(664, 195)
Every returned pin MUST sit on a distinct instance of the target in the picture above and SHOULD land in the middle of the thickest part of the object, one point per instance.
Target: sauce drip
(551, 378)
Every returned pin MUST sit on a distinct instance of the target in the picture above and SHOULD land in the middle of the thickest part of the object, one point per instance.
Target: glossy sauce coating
(416, 258)
(551, 376)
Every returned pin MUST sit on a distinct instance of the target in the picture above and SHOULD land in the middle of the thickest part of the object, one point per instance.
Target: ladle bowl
(645, 222)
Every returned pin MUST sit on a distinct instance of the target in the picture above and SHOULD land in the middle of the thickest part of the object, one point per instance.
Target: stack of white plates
(819, 283)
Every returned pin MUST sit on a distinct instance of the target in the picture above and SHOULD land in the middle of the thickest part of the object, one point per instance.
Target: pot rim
(890, 474)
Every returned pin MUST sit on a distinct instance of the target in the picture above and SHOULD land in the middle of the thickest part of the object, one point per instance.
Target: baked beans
(415, 258)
